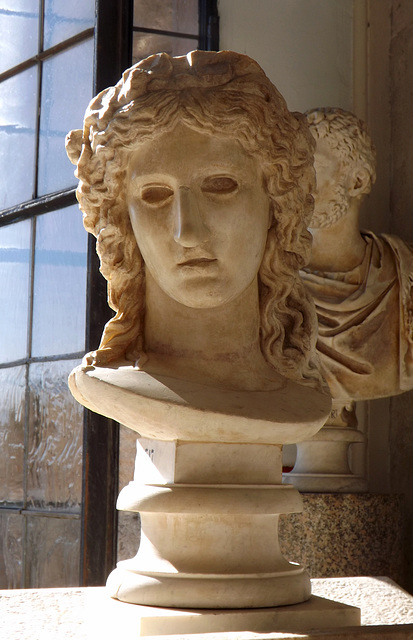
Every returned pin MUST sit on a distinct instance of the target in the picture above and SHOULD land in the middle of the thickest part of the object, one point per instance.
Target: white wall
(304, 46)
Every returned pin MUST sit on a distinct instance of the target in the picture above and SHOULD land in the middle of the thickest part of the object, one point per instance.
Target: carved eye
(219, 185)
(156, 194)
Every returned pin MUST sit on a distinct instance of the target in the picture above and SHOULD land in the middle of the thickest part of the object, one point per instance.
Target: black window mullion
(113, 41)
(37, 134)
(38, 97)
(27, 395)
(162, 32)
(38, 206)
(43, 55)
(208, 25)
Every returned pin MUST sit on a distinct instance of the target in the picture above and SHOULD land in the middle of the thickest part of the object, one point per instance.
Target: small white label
(155, 461)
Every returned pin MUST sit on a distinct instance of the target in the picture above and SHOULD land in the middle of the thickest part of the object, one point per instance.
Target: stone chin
(198, 291)
(326, 219)
(332, 211)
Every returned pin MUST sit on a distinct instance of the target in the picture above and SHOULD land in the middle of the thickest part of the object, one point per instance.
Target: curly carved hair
(229, 95)
(347, 136)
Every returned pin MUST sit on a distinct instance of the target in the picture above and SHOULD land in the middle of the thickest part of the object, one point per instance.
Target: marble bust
(196, 181)
(361, 283)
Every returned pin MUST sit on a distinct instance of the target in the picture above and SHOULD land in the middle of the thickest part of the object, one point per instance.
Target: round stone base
(326, 482)
(209, 591)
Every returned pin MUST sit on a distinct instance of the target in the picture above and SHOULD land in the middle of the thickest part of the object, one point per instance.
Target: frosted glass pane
(59, 305)
(12, 412)
(54, 459)
(11, 550)
(63, 20)
(52, 552)
(144, 44)
(19, 23)
(67, 85)
(14, 291)
(17, 137)
(168, 15)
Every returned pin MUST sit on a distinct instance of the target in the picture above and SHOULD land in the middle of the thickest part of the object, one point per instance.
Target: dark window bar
(208, 25)
(161, 32)
(44, 204)
(78, 355)
(18, 510)
(79, 37)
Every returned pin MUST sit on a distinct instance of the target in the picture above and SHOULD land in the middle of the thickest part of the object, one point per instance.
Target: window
(43, 267)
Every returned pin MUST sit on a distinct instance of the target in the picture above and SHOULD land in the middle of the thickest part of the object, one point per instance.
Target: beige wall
(389, 98)
(304, 46)
(401, 223)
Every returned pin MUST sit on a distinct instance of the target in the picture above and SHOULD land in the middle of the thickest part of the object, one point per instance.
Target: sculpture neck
(220, 343)
(228, 330)
(341, 247)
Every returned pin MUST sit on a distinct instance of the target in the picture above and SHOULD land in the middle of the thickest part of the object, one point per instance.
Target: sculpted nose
(190, 230)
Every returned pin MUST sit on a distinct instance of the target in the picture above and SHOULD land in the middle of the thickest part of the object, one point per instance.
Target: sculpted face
(200, 215)
(331, 197)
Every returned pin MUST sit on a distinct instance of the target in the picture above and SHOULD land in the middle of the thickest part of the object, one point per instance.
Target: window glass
(167, 15)
(52, 552)
(59, 304)
(12, 413)
(11, 550)
(54, 459)
(66, 90)
(145, 44)
(62, 20)
(17, 137)
(15, 241)
(19, 21)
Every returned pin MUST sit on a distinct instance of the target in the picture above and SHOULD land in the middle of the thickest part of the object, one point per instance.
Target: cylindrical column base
(212, 591)
(210, 547)
(322, 463)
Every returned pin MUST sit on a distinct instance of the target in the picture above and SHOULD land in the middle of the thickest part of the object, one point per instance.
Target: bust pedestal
(209, 514)
(208, 486)
(322, 464)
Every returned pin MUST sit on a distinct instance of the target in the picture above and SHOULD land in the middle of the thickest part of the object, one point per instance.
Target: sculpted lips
(196, 262)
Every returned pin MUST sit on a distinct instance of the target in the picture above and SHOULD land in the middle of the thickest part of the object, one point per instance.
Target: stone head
(225, 96)
(345, 163)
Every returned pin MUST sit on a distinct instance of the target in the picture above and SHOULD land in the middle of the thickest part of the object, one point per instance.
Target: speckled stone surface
(88, 613)
(129, 534)
(346, 535)
(380, 600)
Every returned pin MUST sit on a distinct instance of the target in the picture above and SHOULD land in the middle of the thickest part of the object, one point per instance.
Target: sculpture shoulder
(345, 290)
(154, 405)
(402, 252)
